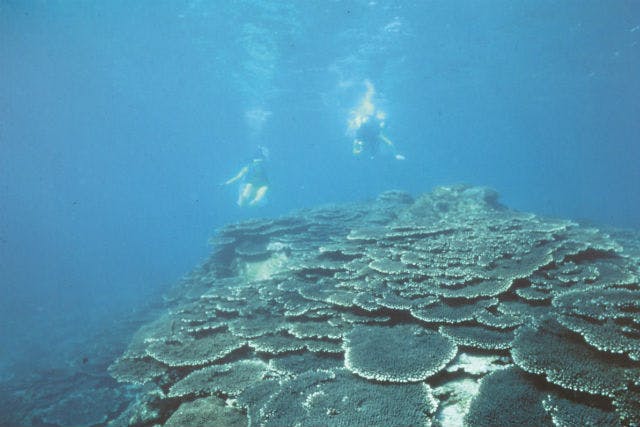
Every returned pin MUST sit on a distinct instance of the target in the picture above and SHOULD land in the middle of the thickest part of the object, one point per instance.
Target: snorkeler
(254, 182)
(366, 124)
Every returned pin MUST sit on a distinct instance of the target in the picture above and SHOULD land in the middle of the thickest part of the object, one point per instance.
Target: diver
(254, 182)
(370, 140)
(366, 124)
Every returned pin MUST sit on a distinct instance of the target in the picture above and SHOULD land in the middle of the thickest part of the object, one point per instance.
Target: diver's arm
(240, 174)
(393, 147)
(387, 141)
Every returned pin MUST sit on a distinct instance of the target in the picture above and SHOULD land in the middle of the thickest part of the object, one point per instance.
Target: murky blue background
(119, 120)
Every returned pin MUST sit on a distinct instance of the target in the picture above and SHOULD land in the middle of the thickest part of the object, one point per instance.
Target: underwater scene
(319, 213)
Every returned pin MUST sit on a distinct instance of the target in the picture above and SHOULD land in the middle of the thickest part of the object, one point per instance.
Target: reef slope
(449, 309)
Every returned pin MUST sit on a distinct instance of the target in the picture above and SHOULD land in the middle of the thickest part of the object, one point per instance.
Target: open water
(121, 121)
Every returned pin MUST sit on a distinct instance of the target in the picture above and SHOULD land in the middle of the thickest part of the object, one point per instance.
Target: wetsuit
(369, 134)
(257, 174)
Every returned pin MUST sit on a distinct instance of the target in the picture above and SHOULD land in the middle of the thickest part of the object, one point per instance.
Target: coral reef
(397, 354)
(445, 310)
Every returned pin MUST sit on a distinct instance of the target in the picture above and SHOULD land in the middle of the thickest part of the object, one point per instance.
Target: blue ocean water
(119, 122)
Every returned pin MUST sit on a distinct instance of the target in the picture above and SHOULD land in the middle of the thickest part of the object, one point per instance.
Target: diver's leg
(245, 193)
(260, 193)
